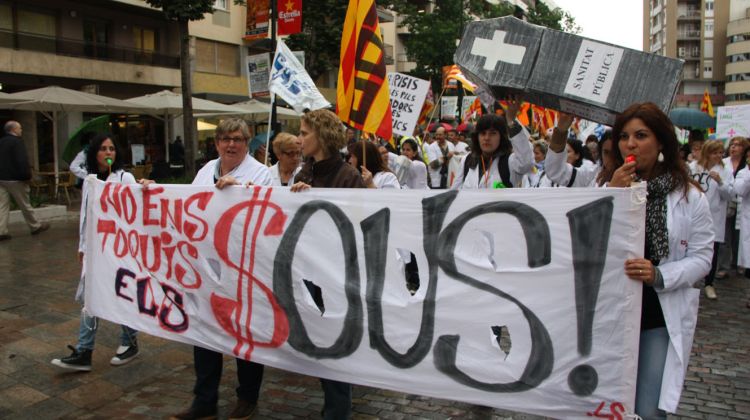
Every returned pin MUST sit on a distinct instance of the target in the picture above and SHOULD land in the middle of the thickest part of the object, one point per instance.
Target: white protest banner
(291, 82)
(522, 301)
(733, 121)
(448, 107)
(407, 97)
(257, 75)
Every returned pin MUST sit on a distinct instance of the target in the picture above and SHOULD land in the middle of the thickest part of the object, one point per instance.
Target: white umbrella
(54, 99)
(167, 105)
(255, 108)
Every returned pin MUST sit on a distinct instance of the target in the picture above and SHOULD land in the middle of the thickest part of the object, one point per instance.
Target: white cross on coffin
(495, 49)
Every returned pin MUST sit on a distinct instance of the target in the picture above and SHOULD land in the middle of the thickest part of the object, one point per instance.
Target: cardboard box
(553, 69)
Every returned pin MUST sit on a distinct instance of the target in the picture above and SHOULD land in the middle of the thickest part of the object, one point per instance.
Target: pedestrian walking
(15, 174)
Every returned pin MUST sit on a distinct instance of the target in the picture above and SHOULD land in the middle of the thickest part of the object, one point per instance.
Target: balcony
(689, 34)
(690, 14)
(81, 49)
(388, 54)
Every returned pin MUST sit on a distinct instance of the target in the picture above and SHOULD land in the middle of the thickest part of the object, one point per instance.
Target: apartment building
(737, 87)
(695, 31)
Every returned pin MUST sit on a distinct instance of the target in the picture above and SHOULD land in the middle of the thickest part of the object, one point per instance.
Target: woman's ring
(640, 272)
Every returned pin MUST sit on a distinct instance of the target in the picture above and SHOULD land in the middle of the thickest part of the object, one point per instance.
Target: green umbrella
(99, 124)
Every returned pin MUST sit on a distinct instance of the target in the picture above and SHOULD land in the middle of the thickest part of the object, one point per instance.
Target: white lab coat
(690, 250)
(742, 188)
(119, 176)
(417, 179)
(559, 171)
(435, 153)
(384, 179)
(276, 178)
(718, 196)
(249, 170)
(519, 163)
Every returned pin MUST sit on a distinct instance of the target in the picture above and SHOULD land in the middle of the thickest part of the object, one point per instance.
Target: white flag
(290, 81)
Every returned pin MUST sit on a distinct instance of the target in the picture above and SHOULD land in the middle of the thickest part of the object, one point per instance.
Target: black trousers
(709, 280)
(208, 366)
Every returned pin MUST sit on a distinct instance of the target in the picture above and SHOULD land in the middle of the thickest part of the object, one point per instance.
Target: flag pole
(273, 119)
(432, 114)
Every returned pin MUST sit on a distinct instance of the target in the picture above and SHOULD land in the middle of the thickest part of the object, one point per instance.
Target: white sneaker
(124, 355)
(710, 292)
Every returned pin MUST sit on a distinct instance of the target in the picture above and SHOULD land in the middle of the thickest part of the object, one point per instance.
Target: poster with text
(732, 121)
(258, 67)
(521, 301)
(407, 97)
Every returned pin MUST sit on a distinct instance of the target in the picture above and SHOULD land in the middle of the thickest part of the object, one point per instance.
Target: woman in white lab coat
(677, 254)
(716, 181)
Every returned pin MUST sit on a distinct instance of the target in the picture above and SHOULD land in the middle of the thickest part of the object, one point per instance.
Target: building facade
(738, 53)
(694, 31)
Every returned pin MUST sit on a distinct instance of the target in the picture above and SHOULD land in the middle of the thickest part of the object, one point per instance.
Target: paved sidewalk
(38, 317)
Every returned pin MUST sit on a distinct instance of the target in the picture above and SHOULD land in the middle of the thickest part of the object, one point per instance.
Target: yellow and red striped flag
(706, 104)
(454, 73)
(362, 94)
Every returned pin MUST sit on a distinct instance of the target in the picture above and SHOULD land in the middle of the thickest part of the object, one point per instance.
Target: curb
(55, 212)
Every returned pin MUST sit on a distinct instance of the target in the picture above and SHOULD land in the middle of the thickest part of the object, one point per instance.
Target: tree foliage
(320, 39)
(183, 10)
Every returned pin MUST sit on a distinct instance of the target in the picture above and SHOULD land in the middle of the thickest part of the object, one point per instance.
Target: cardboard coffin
(570, 73)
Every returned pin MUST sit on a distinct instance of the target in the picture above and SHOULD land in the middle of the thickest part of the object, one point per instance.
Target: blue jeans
(87, 333)
(652, 355)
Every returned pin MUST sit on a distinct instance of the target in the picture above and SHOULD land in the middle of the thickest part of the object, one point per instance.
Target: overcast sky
(618, 22)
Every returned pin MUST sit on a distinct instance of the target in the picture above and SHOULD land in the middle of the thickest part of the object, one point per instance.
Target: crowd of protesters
(697, 229)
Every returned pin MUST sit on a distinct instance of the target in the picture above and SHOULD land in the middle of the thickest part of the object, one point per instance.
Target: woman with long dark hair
(416, 179)
(372, 165)
(500, 153)
(103, 160)
(677, 254)
(565, 163)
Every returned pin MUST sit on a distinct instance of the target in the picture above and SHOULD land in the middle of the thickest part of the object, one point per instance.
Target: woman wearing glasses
(288, 149)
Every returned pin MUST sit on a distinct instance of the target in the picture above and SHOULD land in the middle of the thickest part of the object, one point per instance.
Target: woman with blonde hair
(288, 150)
(716, 181)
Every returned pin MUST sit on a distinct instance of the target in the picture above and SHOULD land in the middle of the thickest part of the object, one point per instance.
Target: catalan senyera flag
(454, 73)
(706, 104)
(362, 94)
(429, 105)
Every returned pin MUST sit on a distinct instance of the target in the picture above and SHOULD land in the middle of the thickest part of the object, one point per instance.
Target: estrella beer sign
(290, 16)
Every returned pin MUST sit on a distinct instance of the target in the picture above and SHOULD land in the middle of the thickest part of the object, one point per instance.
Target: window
(708, 28)
(144, 39)
(37, 31)
(709, 8)
(220, 4)
(217, 57)
(6, 26)
(708, 48)
(708, 69)
(95, 38)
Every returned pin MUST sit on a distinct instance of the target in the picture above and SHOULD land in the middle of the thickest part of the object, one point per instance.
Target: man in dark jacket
(15, 174)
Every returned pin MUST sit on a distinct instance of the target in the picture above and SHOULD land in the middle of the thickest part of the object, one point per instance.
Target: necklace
(486, 171)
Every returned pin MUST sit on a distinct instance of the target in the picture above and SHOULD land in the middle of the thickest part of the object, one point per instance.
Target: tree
(320, 38)
(182, 12)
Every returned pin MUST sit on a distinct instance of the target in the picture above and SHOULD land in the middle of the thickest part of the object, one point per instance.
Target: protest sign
(257, 74)
(522, 300)
(448, 107)
(407, 97)
(733, 121)
(562, 71)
